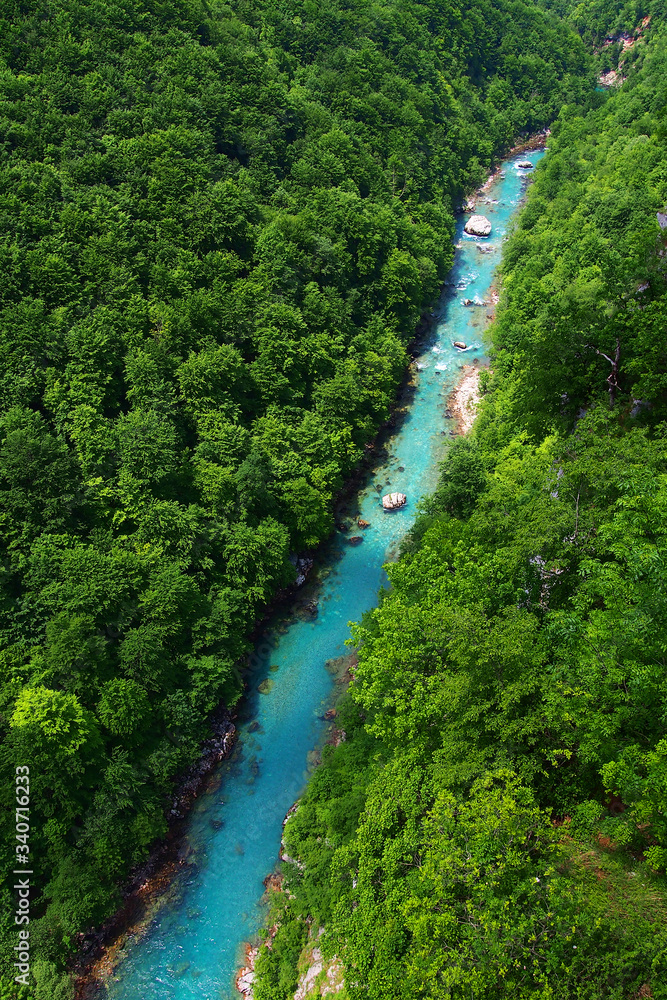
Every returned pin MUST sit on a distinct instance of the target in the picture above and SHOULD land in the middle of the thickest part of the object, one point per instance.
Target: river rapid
(193, 944)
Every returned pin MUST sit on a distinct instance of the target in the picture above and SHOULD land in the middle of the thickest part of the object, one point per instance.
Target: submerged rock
(355, 540)
(392, 501)
(307, 611)
(478, 225)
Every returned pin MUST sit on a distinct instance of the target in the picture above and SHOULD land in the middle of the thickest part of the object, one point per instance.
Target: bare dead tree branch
(612, 378)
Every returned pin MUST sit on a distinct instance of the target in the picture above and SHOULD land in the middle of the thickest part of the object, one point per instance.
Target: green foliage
(600, 22)
(584, 271)
(494, 824)
(276, 966)
(463, 479)
(219, 228)
(50, 984)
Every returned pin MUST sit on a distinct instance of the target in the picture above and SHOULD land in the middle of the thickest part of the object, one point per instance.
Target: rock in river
(525, 164)
(392, 501)
(478, 225)
(355, 540)
(461, 346)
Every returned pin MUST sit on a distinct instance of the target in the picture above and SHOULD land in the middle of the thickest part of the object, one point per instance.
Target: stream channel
(193, 944)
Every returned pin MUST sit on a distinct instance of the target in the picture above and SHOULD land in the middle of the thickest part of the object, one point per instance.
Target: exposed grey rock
(478, 225)
(525, 164)
(244, 984)
(392, 501)
(307, 980)
(638, 406)
(303, 568)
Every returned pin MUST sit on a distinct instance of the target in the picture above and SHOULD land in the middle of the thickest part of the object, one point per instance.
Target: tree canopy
(220, 226)
(493, 824)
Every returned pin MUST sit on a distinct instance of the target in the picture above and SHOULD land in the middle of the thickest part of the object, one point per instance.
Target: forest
(494, 824)
(220, 228)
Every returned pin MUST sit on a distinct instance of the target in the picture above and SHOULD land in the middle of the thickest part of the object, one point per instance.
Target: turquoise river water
(193, 945)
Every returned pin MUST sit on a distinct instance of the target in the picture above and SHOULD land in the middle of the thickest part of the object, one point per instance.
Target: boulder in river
(392, 501)
(478, 225)
(461, 346)
(356, 540)
(525, 164)
(363, 524)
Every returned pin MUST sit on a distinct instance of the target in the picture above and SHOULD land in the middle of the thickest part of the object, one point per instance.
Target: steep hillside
(219, 227)
(493, 825)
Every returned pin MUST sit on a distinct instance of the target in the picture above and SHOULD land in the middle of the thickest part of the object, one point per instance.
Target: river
(193, 944)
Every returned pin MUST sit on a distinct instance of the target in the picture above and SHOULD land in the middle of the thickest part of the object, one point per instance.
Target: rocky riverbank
(98, 952)
(377, 455)
(463, 401)
(529, 145)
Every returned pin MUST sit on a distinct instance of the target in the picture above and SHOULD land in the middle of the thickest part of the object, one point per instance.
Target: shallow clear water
(194, 944)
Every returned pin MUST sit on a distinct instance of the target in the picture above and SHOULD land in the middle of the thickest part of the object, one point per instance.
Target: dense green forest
(599, 22)
(219, 228)
(495, 823)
